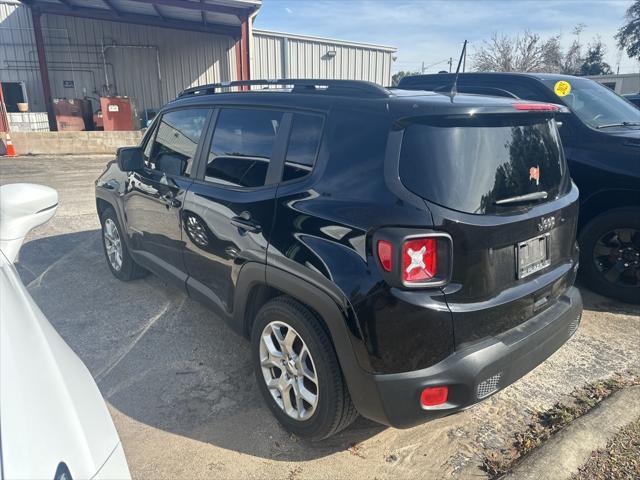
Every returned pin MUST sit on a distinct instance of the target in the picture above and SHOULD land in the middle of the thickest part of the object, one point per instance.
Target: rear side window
(471, 165)
(304, 142)
(173, 145)
(242, 147)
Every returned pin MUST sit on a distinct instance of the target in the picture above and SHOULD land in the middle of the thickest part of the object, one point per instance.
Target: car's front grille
(488, 386)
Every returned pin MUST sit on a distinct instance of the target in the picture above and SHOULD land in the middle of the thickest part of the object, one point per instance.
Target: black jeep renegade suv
(401, 254)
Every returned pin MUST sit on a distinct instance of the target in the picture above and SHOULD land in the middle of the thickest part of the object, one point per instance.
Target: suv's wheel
(115, 250)
(298, 372)
(610, 254)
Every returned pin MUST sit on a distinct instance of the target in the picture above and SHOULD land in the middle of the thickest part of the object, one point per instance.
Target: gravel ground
(620, 460)
(179, 383)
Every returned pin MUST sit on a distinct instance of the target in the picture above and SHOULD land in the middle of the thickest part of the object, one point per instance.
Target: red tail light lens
(434, 396)
(419, 260)
(536, 107)
(385, 254)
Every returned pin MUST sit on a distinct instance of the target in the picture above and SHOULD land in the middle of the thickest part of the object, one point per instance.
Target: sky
(431, 31)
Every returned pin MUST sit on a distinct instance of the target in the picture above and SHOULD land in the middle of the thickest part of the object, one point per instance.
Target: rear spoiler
(453, 111)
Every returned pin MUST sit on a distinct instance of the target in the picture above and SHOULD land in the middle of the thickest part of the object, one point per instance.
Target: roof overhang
(223, 17)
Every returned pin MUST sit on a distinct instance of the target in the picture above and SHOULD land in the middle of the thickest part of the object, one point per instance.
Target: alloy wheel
(617, 256)
(289, 370)
(196, 231)
(112, 244)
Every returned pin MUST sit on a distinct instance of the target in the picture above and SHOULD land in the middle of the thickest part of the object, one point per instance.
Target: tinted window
(595, 104)
(469, 166)
(174, 143)
(242, 147)
(304, 141)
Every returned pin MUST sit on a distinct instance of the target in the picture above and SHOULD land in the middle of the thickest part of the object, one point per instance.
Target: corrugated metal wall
(76, 67)
(74, 52)
(309, 58)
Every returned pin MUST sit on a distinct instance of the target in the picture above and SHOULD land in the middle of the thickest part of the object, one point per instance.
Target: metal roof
(212, 16)
(334, 41)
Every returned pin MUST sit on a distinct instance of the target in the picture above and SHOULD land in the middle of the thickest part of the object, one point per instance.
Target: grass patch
(547, 422)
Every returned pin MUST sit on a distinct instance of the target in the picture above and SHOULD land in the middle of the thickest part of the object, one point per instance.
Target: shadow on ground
(159, 357)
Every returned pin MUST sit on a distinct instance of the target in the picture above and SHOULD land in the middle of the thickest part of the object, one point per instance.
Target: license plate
(532, 256)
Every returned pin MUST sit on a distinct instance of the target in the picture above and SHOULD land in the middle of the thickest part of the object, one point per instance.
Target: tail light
(413, 260)
(385, 254)
(434, 396)
(419, 256)
(544, 107)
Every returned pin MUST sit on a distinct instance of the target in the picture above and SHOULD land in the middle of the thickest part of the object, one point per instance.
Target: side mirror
(23, 206)
(130, 159)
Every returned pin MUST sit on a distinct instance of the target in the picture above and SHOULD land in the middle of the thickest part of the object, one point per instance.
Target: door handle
(246, 224)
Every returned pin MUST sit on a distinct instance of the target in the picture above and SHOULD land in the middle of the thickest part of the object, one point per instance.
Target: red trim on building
(238, 49)
(242, 53)
(244, 41)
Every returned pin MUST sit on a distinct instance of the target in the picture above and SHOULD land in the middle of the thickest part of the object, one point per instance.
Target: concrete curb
(571, 447)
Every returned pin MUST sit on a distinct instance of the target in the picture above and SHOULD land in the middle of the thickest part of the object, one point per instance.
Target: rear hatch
(498, 184)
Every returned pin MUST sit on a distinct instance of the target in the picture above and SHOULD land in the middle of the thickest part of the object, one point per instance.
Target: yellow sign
(562, 88)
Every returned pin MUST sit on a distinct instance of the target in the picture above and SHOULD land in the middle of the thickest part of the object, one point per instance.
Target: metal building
(285, 55)
(149, 50)
(623, 84)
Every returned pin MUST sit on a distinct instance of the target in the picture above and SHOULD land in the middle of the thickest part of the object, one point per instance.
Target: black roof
(417, 80)
(319, 94)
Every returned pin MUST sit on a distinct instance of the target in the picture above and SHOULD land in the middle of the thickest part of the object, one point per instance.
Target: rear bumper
(475, 373)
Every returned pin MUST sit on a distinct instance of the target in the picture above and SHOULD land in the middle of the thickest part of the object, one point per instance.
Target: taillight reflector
(385, 254)
(433, 396)
(536, 107)
(419, 260)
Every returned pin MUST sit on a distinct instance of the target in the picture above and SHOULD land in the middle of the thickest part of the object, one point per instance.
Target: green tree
(594, 63)
(628, 36)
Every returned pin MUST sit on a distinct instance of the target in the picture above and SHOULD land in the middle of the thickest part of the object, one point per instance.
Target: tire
(610, 261)
(333, 410)
(113, 241)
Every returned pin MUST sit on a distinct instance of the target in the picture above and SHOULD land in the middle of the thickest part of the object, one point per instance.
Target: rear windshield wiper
(619, 124)
(523, 198)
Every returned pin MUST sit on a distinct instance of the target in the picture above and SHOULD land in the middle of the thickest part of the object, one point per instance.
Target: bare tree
(496, 55)
(524, 53)
(553, 55)
(572, 60)
(531, 53)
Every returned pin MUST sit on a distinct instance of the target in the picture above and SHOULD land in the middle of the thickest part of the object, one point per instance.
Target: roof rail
(354, 88)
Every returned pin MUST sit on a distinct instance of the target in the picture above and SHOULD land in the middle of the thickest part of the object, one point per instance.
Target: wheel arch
(258, 284)
(605, 200)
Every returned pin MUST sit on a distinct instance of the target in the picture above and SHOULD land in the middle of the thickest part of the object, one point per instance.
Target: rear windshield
(481, 166)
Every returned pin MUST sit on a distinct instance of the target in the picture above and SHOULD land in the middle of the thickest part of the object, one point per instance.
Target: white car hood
(51, 410)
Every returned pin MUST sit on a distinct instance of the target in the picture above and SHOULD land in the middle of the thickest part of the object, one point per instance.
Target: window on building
(175, 141)
(304, 142)
(242, 147)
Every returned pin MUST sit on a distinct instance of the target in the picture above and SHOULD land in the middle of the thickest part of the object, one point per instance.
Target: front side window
(173, 145)
(242, 147)
(304, 141)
